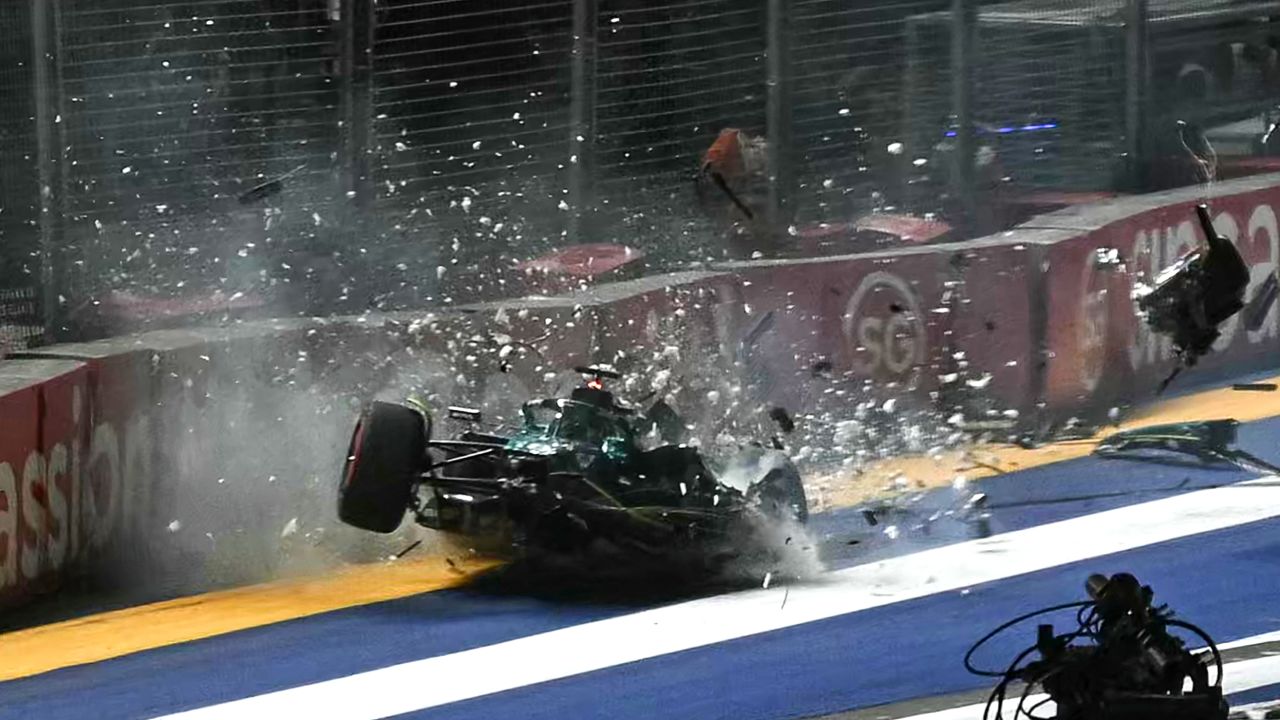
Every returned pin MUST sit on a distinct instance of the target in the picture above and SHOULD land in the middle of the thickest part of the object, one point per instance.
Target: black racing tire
(388, 447)
(780, 494)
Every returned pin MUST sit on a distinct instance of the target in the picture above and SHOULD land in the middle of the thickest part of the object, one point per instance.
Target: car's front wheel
(387, 450)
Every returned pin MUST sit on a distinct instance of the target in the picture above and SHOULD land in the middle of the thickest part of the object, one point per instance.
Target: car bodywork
(582, 473)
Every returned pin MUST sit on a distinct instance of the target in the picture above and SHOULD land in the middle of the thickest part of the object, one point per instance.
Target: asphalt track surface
(886, 626)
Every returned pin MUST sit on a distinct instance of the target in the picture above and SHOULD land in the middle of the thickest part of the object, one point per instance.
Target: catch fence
(21, 261)
(317, 155)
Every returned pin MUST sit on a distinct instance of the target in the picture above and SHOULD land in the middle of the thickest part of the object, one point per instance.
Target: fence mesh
(1213, 60)
(848, 65)
(1214, 65)
(472, 137)
(1048, 91)
(1051, 86)
(19, 188)
(170, 120)
(670, 76)
(171, 112)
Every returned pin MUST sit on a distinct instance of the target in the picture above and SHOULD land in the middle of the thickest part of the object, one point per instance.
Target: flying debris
(1255, 387)
(1207, 441)
(1195, 295)
(1200, 154)
(908, 511)
(267, 188)
(783, 418)
(732, 183)
(733, 165)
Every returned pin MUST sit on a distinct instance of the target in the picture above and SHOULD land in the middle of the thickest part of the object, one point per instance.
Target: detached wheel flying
(383, 462)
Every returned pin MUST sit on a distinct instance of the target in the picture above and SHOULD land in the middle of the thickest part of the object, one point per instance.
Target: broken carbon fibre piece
(1255, 387)
(267, 188)
(1208, 441)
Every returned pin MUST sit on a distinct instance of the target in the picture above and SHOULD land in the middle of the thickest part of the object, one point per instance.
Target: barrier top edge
(600, 294)
(163, 340)
(1095, 216)
(20, 374)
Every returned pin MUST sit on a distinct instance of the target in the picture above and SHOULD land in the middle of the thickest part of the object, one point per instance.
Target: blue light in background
(1032, 127)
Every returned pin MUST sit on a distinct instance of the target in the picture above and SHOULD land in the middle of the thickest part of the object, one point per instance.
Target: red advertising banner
(992, 346)
(874, 318)
(18, 436)
(45, 513)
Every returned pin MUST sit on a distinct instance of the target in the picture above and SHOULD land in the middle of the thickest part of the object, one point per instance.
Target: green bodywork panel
(556, 427)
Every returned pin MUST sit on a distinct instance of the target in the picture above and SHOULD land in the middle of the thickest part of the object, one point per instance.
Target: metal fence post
(1136, 83)
(778, 114)
(62, 191)
(358, 25)
(963, 175)
(44, 51)
(582, 119)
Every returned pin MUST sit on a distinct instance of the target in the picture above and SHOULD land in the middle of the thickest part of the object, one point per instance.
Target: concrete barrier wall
(87, 427)
(211, 452)
(46, 517)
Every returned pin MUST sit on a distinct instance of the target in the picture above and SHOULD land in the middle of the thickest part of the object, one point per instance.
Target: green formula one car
(581, 473)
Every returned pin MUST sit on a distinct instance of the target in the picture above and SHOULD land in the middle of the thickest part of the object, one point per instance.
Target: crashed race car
(586, 475)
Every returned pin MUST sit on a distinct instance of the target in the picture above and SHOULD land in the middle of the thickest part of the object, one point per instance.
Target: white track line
(1246, 642)
(608, 643)
(1237, 677)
